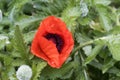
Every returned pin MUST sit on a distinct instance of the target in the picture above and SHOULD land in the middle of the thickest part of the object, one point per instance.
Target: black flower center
(56, 39)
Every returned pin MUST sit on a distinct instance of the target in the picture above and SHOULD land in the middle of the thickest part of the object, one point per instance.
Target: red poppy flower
(53, 42)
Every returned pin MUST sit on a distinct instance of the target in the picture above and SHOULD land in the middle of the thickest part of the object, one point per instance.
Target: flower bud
(24, 72)
(84, 9)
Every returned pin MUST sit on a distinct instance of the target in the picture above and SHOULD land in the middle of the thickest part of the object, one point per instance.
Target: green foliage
(114, 47)
(112, 41)
(62, 73)
(37, 68)
(109, 62)
(70, 14)
(95, 25)
(3, 41)
(19, 44)
(103, 2)
(104, 17)
(93, 54)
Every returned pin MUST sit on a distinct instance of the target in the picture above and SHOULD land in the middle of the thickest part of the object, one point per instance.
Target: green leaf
(113, 42)
(96, 64)
(27, 20)
(55, 6)
(84, 20)
(104, 17)
(87, 49)
(93, 54)
(18, 62)
(15, 7)
(6, 60)
(80, 72)
(108, 64)
(37, 68)
(103, 2)
(28, 37)
(69, 15)
(7, 70)
(96, 26)
(113, 70)
(2, 56)
(114, 47)
(63, 73)
(19, 44)
(115, 30)
(81, 38)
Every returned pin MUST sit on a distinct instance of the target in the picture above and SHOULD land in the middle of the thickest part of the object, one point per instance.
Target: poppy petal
(49, 48)
(52, 25)
(36, 50)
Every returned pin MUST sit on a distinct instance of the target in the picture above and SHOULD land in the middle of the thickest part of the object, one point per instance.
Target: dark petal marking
(56, 39)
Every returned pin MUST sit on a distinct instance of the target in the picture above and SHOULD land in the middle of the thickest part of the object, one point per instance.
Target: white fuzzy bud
(24, 72)
(84, 9)
(2, 37)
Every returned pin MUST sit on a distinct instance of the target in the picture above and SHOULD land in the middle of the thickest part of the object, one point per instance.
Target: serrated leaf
(29, 36)
(104, 17)
(108, 64)
(93, 54)
(55, 7)
(19, 44)
(114, 47)
(115, 30)
(27, 20)
(69, 15)
(37, 68)
(15, 7)
(80, 38)
(87, 49)
(79, 73)
(63, 73)
(96, 26)
(2, 56)
(113, 42)
(84, 20)
(18, 62)
(15, 54)
(113, 70)
(7, 70)
(103, 2)
(11, 14)
(96, 64)
(7, 61)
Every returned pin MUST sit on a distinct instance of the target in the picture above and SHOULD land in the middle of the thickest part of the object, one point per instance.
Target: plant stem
(92, 41)
(82, 45)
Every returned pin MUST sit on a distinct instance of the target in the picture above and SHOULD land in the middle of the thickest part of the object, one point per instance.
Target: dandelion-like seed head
(24, 72)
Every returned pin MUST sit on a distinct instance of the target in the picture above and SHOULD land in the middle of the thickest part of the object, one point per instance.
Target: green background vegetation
(95, 25)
